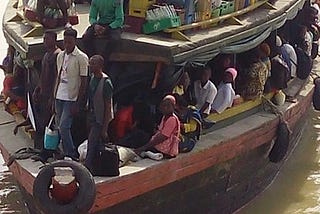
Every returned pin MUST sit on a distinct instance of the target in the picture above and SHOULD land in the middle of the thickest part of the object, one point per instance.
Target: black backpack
(106, 161)
(304, 63)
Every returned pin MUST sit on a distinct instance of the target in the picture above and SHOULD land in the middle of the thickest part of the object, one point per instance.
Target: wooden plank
(235, 110)
(123, 57)
(216, 20)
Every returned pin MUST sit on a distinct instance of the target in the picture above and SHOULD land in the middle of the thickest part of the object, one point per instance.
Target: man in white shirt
(70, 88)
(205, 92)
(226, 94)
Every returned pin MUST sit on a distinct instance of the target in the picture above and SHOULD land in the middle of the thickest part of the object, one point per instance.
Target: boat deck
(139, 47)
(145, 175)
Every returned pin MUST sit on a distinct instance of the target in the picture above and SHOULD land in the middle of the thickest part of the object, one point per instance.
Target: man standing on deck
(70, 89)
(106, 18)
(100, 105)
(43, 93)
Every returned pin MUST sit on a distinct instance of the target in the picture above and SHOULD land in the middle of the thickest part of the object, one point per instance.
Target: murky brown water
(296, 190)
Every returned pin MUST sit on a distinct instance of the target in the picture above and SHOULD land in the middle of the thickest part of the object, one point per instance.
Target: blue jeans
(64, 122)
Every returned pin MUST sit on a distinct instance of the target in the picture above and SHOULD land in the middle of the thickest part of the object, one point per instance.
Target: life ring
(84, 198)
(316, 94)
(280, 147)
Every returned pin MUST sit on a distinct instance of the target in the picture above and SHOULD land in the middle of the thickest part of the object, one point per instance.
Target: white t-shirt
(293, 58)
(204, 94)
(62, 91)
(224, 98)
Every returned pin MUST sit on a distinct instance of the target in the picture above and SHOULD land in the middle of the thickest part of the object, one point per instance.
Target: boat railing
(177, 32)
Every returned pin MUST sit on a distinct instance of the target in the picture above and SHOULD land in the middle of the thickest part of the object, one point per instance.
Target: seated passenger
(220, 64)
(122, 123)
(226, 94)
(106, 19)
(182, 85)
(254, 78)
(292, 56)
(205, 92)
(13, 88)
(189, 117)
(265, 51)
(52, 13)
(166, 139)
(132, 126)
(280, 73)
(264, 56)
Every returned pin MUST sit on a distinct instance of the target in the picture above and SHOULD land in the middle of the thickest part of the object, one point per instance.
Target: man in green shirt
(106, 18)
(100, 106)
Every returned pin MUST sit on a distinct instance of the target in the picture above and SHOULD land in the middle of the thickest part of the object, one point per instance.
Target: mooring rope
(274, 109)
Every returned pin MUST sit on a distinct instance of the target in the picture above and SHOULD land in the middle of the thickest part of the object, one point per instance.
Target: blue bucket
(51, 139)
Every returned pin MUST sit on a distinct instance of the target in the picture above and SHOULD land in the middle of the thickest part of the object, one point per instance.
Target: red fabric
(123, 122)
(8, 83)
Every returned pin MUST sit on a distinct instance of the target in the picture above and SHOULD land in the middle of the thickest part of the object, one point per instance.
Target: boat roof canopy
(199, 46)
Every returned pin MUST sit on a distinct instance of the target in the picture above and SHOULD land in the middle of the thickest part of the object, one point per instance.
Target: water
(296, 189)
(10, 197)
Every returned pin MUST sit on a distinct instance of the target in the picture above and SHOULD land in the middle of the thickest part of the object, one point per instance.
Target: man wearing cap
(70, 88)
(225, 94)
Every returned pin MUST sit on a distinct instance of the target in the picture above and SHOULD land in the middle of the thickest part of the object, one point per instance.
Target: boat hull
(237, 171)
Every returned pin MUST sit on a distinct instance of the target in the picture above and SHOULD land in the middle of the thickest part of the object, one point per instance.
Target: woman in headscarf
(225, 94)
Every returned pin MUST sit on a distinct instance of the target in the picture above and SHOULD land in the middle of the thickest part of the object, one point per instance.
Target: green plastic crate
(161, 24)
(216, 13)
(226, 7)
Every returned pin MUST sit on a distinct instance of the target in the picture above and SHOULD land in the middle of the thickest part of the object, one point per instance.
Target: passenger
(280, 73)
(140, 126)
(70, 88)
(52, 13)
(205, 92)
(283, 53)
(182, 85)
(254, 78)
(264, 50)
(299, 39)
(190, 124)
(101, 107)
(122, 123)
(315, 4)
(292, 57)
(166, 139)
(226, 94)
(264, 55)
(43, 93)
(13, 85)
(183, 88)
(106, 19)
(220, 64)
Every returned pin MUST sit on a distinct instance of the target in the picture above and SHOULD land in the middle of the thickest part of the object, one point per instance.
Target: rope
(274, 109)
(7, 122)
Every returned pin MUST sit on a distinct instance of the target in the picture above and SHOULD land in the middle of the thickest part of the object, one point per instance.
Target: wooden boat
(228, 167)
